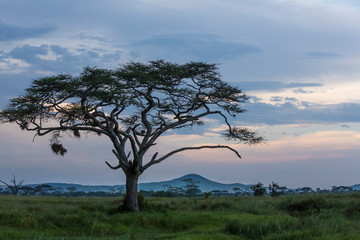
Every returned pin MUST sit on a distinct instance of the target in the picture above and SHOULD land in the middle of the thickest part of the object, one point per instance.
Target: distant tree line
(190, 188)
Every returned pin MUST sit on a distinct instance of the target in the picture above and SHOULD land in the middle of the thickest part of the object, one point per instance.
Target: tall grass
(285, 217)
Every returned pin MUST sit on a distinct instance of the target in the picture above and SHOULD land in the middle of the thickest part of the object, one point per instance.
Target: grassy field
(286, 217)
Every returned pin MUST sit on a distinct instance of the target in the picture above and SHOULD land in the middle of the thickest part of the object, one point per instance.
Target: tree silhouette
(191, 188)
(237, 190)
(273, 188)
(131, 106)
(44, 189)
(71, 190)
(14, 186)
(27, 190)
(258, 189)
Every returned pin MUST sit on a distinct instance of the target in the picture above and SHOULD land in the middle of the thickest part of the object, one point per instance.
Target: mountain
(356, 187)
(82, 188)
(205, 185)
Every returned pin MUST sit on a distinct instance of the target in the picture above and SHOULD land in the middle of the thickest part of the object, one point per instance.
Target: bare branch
(153, 161)
(14, 187)
(117, 167)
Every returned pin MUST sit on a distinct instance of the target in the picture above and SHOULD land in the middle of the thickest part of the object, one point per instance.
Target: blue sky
(298, 60)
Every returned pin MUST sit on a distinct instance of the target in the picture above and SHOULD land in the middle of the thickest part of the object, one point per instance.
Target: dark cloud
(297, 112)
(11, 33)
(322, 55)
(272, 85)
(29, 53)
(64, 60)
(198, 46)
(15, 78)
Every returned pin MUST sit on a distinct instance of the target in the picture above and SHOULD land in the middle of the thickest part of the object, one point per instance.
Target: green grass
(316, 217)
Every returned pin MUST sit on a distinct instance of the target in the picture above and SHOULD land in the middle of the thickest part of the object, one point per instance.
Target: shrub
(141, 201)
(207, 194)
(302, 206)
(352, 210)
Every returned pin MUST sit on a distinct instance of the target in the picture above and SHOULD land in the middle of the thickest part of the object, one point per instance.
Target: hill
(205, 185)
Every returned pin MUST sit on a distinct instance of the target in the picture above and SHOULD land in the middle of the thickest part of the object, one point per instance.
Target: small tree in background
(306, 190)
(14, 186)
(26, 190)
(58, 191)
(191, 188)
(258, 189)
(71, 190)
(132, 106)
(273, 189)
(237, 190)
(207, 194)
(44, 189)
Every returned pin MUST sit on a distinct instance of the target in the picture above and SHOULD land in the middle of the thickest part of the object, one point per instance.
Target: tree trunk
(131, 201)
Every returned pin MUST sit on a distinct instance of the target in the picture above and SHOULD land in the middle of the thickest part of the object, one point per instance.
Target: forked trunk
(131, 201)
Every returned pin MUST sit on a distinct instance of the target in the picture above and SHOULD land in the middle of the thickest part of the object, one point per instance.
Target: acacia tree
(191, 188)
(132, 106)
(258, 189)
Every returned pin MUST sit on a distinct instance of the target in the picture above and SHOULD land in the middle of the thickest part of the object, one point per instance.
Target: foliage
(258, 189)
(191, 188)
(302, 206)
(43, 189)
(207, 194)
(352, 210)
(275, 190)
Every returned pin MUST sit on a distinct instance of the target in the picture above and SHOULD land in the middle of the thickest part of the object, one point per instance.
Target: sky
(297, 60)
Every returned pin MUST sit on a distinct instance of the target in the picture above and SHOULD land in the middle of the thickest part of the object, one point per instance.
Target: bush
(141, 201)
(302, 206)
(352, 210)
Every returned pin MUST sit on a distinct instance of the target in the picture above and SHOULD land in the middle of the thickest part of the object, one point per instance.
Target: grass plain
(318, 217)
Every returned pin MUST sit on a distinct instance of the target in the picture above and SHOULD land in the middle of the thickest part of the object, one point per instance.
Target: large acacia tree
(132, 106)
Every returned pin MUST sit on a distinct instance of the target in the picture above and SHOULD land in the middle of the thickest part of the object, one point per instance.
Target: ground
(333, 216)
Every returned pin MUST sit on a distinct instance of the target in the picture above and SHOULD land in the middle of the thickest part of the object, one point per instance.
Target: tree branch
(153, 161)
(114, 168)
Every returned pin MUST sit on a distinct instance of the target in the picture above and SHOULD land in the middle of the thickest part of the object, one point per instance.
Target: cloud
(26, 62)
(272, 85)
(276, 99)
(322, 55)
(196, 46)
(291, 111)
(11, 33)
(327, 144)
(29, 53)
(56, 59)
(85, 36)
(301, 90)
